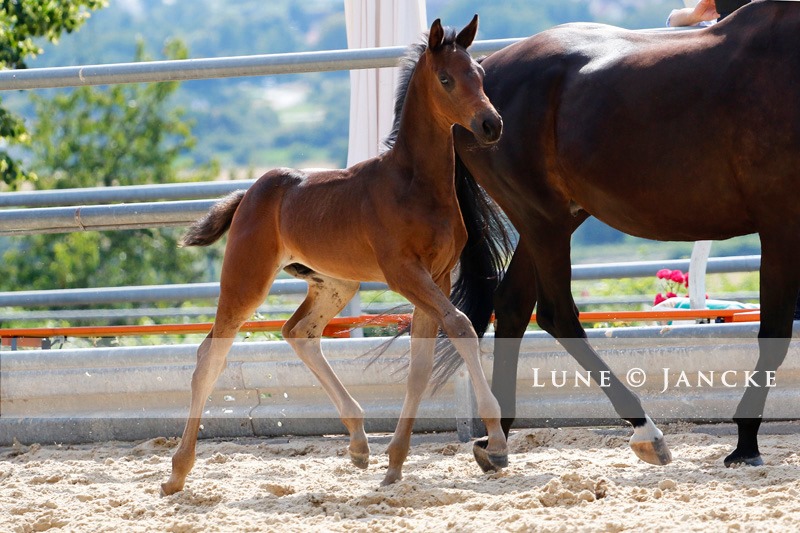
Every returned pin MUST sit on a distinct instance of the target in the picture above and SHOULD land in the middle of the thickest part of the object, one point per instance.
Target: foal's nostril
(491, 129)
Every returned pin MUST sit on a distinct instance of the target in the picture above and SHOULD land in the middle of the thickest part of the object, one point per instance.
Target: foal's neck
(423, 143)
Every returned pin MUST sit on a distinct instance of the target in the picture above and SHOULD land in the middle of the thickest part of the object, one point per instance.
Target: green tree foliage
(236, 120)
(22, 21)
(121, 135)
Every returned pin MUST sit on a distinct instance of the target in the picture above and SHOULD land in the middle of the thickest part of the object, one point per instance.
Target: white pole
(697, 271)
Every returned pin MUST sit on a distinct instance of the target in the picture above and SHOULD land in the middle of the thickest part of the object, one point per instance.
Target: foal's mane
(407, 67)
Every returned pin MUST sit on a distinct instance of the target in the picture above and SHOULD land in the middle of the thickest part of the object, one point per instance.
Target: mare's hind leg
(423, 342)
(416, 284)
(513, 303)
(238, 300)
(326, 297)
(514, 300)
(780, 280)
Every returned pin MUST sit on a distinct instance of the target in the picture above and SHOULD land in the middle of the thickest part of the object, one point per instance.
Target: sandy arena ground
(558, 480)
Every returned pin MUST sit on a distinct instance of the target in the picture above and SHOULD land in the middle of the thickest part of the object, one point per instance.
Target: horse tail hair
(215, 223)
(481, 265)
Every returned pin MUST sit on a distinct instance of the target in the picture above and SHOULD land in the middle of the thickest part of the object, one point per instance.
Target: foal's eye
(444, 80)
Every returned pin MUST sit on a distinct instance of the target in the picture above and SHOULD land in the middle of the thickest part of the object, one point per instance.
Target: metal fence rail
(203, 291)
(177, 313)
(646, 269)
(126, 194)
(101, 217)
(218, 67)
(144, 293)
(228, 67)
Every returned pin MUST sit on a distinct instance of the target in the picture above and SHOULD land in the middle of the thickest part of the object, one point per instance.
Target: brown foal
(393, 218)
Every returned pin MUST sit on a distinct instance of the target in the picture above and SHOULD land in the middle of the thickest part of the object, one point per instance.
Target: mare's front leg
(423, 342)
(326, 297)
(416, 284)
(780, 268)
(557, 314)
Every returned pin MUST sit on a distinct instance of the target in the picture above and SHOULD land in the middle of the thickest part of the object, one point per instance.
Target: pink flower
(672, 282)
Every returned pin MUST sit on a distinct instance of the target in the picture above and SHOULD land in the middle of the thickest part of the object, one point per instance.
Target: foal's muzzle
(487, 127)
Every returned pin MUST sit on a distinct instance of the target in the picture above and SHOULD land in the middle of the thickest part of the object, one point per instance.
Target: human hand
(705, 10)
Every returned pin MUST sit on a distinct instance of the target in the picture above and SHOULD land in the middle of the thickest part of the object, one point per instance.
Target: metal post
(468, 423)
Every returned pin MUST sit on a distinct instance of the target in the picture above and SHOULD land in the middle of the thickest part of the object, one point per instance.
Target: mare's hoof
(489, 462)
(655, 452)
(361, 460)
(738, 458)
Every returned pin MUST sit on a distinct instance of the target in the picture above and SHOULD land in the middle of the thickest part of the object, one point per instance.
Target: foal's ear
(436, 35)
(467, 35)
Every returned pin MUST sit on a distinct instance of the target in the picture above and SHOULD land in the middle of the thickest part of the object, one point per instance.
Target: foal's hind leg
(250, 265)
(326, 297)
(211, 359)
(423, 342)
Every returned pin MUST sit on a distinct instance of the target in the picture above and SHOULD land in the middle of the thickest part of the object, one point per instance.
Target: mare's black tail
(481, 265)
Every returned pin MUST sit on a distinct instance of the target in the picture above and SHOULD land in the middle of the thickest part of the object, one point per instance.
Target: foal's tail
(211, 227)
(481, 265)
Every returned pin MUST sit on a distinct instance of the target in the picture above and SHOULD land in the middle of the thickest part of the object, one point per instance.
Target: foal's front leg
(416, 284)
(423, 342)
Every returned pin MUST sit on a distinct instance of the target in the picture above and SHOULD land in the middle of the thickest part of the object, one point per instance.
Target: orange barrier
(337, 327)
(340, 327)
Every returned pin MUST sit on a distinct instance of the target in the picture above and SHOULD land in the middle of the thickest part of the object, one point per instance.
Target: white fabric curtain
(375, 23)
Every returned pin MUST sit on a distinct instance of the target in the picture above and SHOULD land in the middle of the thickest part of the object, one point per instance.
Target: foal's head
(455, 83)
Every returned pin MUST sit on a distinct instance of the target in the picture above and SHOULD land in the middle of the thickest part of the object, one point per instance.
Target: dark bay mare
(394, 218)
(607, 122)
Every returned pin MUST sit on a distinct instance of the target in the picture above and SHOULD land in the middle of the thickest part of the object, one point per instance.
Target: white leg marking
(647, 432)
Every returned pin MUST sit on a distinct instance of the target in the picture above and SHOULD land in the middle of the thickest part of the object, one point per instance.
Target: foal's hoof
(361, 460)
(739, 458)
(392, 476)
(489, 462)
(169, 488)
(655, 452)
